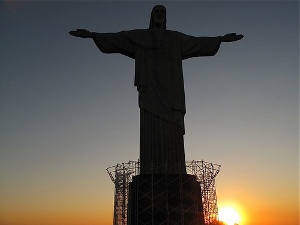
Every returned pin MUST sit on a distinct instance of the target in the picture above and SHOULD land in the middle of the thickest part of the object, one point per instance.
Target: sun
(229, 216)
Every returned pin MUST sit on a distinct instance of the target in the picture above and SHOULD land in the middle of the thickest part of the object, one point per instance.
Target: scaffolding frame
(206, 173)
(122, 173)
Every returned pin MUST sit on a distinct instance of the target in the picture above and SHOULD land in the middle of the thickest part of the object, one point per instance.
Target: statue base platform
(165, 199)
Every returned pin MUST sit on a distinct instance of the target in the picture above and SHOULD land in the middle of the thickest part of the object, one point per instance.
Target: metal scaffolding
(122, 173)
(206, 173)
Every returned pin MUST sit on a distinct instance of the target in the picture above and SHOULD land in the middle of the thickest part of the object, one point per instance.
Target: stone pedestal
(165, 199)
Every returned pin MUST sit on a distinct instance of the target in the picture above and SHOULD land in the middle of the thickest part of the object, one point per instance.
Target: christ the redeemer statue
(158, 55)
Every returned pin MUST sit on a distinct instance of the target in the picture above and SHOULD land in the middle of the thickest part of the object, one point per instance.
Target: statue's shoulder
(176, 35)
(146, 35)
(149, 31)
(139, 37)
(135, 31)
(174, 32)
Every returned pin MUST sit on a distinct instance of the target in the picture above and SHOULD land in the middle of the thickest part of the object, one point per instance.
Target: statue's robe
(158, 58)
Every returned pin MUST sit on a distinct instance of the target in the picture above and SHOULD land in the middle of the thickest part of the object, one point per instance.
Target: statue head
(158, 17)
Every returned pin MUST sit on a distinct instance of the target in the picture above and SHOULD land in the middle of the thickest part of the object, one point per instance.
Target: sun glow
(229, 216)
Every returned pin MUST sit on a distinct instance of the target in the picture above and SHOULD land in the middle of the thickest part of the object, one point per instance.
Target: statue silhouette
(158, 55)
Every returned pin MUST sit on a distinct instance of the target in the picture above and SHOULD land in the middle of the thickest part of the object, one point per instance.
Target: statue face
(159, 15)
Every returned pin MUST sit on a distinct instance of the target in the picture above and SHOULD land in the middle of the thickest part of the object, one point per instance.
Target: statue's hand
(231, 37)
(83, 33)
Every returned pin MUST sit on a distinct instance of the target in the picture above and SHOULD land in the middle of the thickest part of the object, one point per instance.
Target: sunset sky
(69, 111)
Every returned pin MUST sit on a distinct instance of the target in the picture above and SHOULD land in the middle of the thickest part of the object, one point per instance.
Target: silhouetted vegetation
(219, 223)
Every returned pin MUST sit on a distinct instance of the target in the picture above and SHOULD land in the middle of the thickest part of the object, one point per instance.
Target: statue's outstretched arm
(83, 33)
(231, 37)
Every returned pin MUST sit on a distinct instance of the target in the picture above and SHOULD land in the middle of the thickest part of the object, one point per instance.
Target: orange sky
(98, 210)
